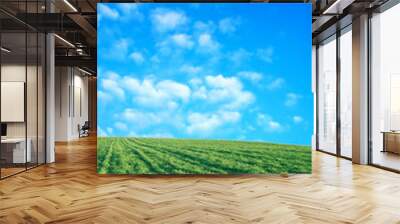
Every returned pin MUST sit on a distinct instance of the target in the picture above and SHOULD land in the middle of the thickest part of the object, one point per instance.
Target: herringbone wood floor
(70, 191)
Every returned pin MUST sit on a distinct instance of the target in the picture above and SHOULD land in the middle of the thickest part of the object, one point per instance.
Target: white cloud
(207, 43)
(204, 27)
(104, 97)
(119, 49)
(170, 44)
(174, 89)
(137, 57)
(122, 44)
(273, 125)
(230, 116)
(121, 126)
(250, 75)
(200, 93)
(228, 25)
(112, 75)
(220, 81)
(266, 54)
(182, 40)
(166, 20)
(276, 84)
(265, 121)
(138, 120)
(204, 39)
(190, 69)
(229, 91)
(202, 123)
(292, 99)
(239, 56)
(161, 102)
(105, 11)
(297, 119)
(125, 11)
(129, 11)
(111, 86)
(166, 93)
(205, 124)
(195, 82)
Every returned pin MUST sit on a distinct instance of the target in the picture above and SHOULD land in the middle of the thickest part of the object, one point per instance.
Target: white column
(50, 99)
(360, 90)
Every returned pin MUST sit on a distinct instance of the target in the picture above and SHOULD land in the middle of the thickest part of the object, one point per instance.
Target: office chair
(84, 130)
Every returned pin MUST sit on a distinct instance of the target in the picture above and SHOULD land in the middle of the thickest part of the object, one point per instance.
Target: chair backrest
(86, 124)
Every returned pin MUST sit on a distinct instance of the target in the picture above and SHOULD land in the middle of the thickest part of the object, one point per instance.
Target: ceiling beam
(337, 7)
(85, 25)
(79, 61)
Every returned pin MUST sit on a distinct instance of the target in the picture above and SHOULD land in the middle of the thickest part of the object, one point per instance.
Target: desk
(391, 141)
(16, 147)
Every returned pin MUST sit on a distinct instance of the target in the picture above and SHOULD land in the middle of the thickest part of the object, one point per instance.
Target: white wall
(71, 87)
(62, 82)
(80, 109)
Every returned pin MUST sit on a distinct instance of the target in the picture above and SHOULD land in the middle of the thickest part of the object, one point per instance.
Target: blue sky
(220, 71)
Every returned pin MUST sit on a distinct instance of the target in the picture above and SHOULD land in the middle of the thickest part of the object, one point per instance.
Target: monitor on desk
(3, 130)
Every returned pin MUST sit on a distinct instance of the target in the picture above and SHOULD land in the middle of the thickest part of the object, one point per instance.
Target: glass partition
(41, 110)
(346, 92)
(31, 100)
(385, 89)
(14, 155)
(23, 91)
(327, 95)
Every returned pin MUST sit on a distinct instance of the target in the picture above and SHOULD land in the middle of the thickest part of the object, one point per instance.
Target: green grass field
(187, 156)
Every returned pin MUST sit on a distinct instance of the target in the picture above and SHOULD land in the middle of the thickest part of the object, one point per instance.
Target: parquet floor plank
(70, 191)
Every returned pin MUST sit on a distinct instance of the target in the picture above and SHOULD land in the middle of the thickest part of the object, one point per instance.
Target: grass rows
(186, 156)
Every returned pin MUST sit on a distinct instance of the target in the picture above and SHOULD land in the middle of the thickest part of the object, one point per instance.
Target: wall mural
(204, 88)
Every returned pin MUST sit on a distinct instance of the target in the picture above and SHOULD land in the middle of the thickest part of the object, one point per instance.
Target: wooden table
(13, 150)
(391, 141)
